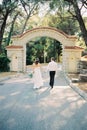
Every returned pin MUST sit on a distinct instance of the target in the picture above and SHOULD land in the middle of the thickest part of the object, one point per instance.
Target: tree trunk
(1, 37)
(25, 24)
(11, 29)
(2, 30)
(79, 19)
(81, 22)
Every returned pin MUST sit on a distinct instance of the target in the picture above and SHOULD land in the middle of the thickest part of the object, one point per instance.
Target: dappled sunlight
(27, 106)
(11, 123)
(43, 108)
(18, 80)
(53, 106)
(23, 106)
(60, 87)
(8, 105)
(42, 89)
(15, 93)
(48, 109)
(2, 97)
(51, 103)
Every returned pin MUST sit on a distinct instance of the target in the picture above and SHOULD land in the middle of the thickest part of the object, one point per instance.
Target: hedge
(4, 63)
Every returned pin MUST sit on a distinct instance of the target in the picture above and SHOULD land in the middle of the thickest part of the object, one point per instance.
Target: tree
(53, 49)
(78, 16)
(6, 8)
(29, 8)
(66, 23)
(74, 7)
(11, 29)
(58, 47)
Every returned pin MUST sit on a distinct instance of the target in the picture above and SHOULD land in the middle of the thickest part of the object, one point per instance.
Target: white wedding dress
(37, 78)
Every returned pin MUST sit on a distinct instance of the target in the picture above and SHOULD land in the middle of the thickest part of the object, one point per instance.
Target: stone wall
(16, 56)
(71, 58)
(83, 71)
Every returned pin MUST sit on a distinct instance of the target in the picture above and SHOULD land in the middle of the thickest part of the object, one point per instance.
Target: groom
(52, 67)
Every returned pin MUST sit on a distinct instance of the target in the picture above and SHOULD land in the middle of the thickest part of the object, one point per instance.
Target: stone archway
(71, 53)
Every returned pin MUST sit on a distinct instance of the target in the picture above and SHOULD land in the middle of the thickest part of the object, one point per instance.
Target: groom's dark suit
(52, 67)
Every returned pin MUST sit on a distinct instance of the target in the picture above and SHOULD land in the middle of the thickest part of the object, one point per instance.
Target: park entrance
(17, 51)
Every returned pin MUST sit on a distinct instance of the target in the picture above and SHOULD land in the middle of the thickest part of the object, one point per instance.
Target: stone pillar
(65, 61)
(24, 58)
(71, 57)
(15, 54)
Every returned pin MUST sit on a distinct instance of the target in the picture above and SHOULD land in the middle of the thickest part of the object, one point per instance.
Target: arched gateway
(17, 51)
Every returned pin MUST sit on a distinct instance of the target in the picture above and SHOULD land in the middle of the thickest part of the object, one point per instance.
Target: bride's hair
(36, 61)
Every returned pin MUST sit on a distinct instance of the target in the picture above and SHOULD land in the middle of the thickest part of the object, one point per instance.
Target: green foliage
(4, 63)
(74, 8)
(54, 49)
(65, 23)
(44, 48)
(35, 49)
(68, 25)
(29, 53)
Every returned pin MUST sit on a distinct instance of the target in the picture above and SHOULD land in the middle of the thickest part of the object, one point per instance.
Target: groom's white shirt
(52, 66)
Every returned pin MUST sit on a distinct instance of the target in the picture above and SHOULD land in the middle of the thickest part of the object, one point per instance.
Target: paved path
(23, 108)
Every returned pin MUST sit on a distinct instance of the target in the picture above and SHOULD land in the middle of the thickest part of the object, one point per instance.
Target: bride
(37, 77)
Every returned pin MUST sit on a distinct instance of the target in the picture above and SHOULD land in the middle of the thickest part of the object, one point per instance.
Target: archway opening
(44, 48)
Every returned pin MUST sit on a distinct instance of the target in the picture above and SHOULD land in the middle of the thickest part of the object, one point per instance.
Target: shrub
(4, 63)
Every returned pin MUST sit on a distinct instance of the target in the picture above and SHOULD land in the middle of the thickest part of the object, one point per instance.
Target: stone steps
(83, 77)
